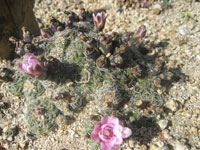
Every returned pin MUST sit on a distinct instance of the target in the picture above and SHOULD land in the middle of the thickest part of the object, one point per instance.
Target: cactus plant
(81, 65)
(41, 116)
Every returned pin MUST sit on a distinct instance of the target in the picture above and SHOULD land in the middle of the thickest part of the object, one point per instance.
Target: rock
(184, 30)
(157, 9)
(166, 134)
(165, 147)
(120, 10)
(143, 147)
(153, 147)
(172, 105)
(163, 124)
(9, 133)
(138, 103)
(131, 143)
(194, 130)
(141, 104)
(198, 47)
(180, 146)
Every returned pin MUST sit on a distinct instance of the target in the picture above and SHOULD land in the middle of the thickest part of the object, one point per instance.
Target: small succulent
(41, 116)
(99, 20)
(16, 86)
(32, 66)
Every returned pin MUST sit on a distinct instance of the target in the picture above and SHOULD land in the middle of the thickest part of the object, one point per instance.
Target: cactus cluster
(78, 63)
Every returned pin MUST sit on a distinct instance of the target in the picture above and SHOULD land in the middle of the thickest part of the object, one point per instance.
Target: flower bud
(99, 20)
(140, 32)
(32, 66)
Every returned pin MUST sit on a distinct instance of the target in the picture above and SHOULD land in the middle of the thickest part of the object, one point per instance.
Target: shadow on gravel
(125, 100)
(70, 119)
(144, 129)
(161, 44)
(176, 75)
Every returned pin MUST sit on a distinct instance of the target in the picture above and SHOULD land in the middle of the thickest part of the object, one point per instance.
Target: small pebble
(172, 105)
(180, 146)
(157, 9)
(165, 148)
(163, 124)
(131, 143)
(184, 30)
(194, 131)
(154, 147)
(120, 10)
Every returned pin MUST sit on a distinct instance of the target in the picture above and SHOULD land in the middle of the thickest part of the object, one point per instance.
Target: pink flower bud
(32, 66)
(110, 133)
(140, 32)
(99, 20)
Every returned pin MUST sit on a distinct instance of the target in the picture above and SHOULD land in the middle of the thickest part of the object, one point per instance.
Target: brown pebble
(156, 11)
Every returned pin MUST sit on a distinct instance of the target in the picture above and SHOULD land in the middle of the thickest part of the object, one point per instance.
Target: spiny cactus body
(41, 116)
(81, 65)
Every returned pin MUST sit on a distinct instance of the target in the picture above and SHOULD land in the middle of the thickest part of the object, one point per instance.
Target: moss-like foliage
(16, 87)
(33, 89)
(44, 121)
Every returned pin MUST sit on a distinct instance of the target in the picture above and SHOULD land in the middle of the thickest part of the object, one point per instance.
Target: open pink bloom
(32, 66)
(110, 133)
(99, 20)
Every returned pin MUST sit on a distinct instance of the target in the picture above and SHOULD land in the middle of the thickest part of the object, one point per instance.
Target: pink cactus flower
(99, 20)
(110, 133)
(32, 66)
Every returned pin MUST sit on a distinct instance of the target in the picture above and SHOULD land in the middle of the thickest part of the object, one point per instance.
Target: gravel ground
(176, 29)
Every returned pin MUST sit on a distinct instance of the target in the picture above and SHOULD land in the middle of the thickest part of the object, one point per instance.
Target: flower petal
(29, 55)
(94, 19)
(38, 68)
(111, 142)
(113, 120)
(98, 18)
(29, 70)
(116, 147)
(95, 137)
(95, 133)
(119, 141)
(110, 120)
(20, 67)
(126, 132)
(117, 131)
(105, 147)
(104, 120)
(23, 66)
